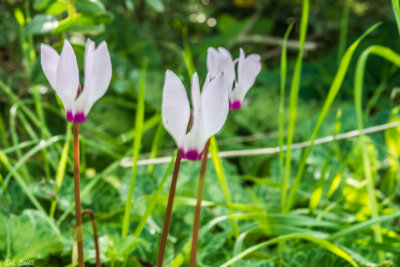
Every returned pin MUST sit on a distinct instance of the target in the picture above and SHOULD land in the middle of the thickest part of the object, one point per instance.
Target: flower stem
(79, 232)
(168, 212)
(95, 235)
(196, 225)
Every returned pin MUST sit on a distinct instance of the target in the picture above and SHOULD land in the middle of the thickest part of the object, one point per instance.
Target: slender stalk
(140, 110)
(344, 24)
(282, 111)
(78, 217)
(168, 212)
(95, 235)
(196, 225)
(293, 98)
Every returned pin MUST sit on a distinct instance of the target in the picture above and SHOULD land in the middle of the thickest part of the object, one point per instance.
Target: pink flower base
(235, 104)
(191, 154)
(78, 118)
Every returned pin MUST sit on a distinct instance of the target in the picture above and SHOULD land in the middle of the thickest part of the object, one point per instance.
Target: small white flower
(220, 61)
(63, 75)
(210, 110)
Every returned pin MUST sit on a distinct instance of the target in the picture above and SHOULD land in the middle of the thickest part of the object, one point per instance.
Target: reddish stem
(168, 212)
(79, 230)
(196, 225)
(95, 235)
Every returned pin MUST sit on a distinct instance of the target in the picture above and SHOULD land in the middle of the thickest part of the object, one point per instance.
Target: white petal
(225, 53)
(240, 66)
(195, 88)
(214, 108)
(49, 60)
(208, 80)
(250, 67)
(98, 73)
(175, 107)
(192, 140)
(67, 77)
(89, 50)
(213, 62)
(229, 73)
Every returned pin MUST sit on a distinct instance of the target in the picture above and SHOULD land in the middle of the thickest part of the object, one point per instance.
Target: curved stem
(95, 235)
(196, 225)
(168, 212)
(79, 232)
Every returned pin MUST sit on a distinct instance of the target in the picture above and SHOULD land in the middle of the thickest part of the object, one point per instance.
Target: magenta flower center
(78, 118)
(191, 154)
(235, 104)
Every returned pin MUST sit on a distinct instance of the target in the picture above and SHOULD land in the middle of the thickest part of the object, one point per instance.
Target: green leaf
(32, 236)
(89, 7)
(57, 8)
(157, 5)
(41, 5)
(41, 24)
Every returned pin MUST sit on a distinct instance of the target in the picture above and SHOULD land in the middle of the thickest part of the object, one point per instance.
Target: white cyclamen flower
(220, 61)
(210, 110)
(63, 75)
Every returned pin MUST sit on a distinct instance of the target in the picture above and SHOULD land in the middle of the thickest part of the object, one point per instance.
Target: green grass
(329, 205)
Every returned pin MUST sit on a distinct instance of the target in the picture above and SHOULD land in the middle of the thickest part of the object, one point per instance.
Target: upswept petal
(225, 53)
(49, 60)
(192, 147)
(247, 75)
(213, 62)
(67, 76)
(98, 73)
(196, 101)
(214, 108)
(175, 107)
(228, 69)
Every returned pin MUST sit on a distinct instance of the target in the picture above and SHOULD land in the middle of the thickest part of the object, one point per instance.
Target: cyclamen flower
(210, 110)
(220, 61)
(63, 75)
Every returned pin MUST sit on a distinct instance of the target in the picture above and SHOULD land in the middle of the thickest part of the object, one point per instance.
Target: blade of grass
(14, 138)
(61, 170)
(219, 169)
(294, 94)
(282, 109)
(3, 134)
(154, 199)
(21, 145)
(321, 242)
(36, 149)
(21, 182)
(136, 147)
(187, 54)
(396, 11)
(27, 126)
(391, 56)
(363, 225)
(15, 99)
(40, 114)
(344, 24)
(157, 143)
(334, 89)
(110, 168)
(317, 193)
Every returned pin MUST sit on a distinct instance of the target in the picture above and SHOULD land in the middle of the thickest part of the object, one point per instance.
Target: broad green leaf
(157, 5)
(89, 6)
(41, 24)
(32, 236)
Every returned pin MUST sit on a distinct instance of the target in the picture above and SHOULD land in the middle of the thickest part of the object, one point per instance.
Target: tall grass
(294, 94)
(334, 89)
(136, 148)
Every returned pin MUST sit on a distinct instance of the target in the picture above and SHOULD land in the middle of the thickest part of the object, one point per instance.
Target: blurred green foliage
(332, 196)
